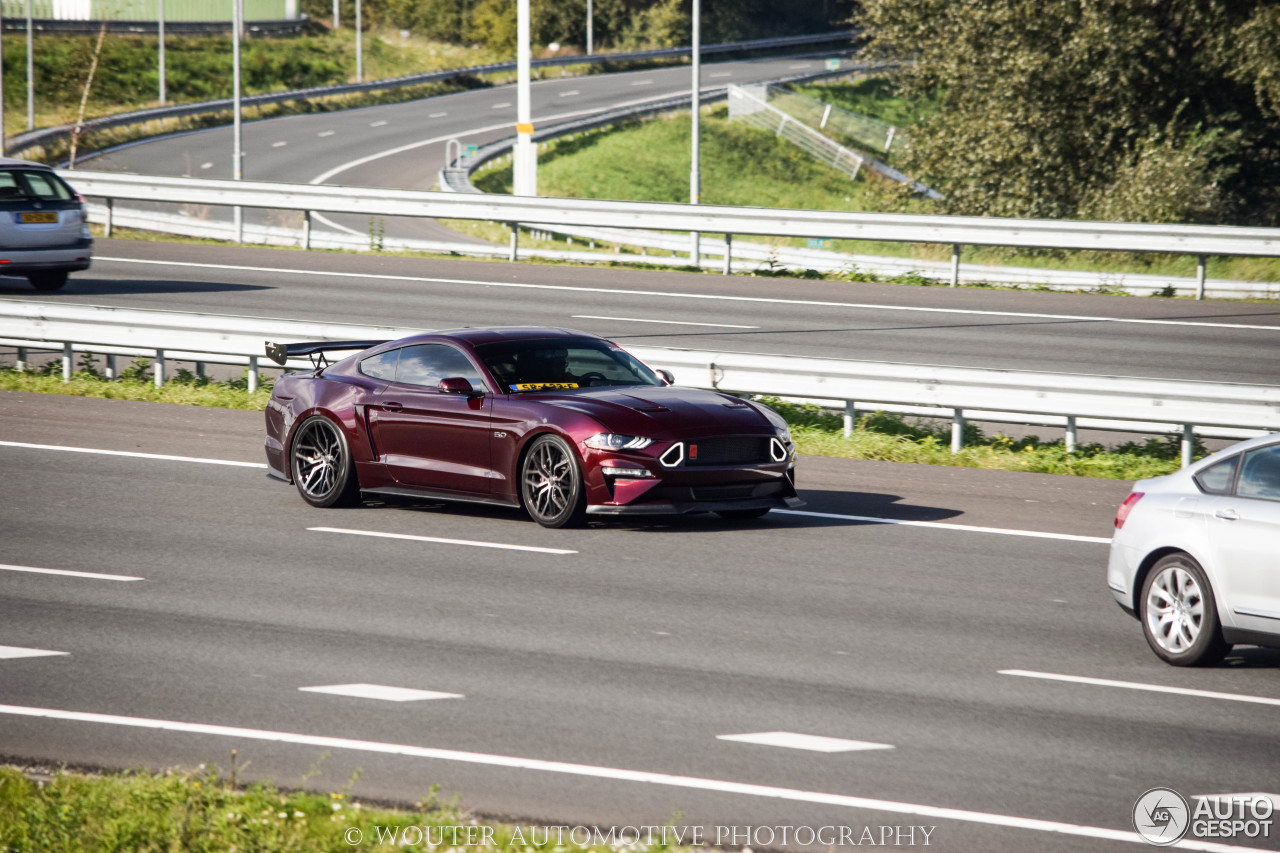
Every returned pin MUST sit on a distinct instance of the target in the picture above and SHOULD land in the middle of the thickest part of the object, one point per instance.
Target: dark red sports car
(563, 423)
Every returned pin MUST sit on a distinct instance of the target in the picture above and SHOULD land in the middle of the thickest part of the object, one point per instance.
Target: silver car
(44, 232)
(1196, 554)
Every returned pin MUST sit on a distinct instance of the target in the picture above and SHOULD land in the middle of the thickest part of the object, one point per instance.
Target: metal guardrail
(45, 136)
(955, 390)
(254, 29)
(744, 105)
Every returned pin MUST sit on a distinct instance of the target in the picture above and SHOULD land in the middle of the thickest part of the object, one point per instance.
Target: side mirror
(456, 385)
(668, 376)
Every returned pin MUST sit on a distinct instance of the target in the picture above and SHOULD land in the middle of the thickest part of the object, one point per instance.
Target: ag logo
(1161, 816)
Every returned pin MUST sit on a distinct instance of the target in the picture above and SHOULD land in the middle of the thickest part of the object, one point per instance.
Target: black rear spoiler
(280, 353)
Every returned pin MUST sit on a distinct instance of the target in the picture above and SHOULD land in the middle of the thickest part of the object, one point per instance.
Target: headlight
(784, 435)
(613, 441)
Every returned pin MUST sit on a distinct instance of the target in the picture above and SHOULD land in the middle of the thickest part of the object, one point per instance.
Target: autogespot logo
(1161, 816)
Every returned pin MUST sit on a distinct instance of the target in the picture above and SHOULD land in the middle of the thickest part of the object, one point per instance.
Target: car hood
(656, 411)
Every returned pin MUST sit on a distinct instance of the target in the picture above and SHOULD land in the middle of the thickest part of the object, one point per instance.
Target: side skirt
(403, 492)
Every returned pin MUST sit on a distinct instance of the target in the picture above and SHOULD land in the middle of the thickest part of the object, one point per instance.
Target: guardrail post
(515, 242)
(111, 210)
(955, 264)
(21, 364)
(1188, 443)
(728, 255)
(159, 368)
(1071, 434)
(253, 373)
(306, 230)
(110, 370)
(957, 431)
(1200, 276)
(199, 369)
(68, 362)
(850, 417)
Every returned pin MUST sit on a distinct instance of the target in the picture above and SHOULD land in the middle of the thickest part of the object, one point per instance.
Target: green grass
(200, 811)
(874, 97)
(817, 432)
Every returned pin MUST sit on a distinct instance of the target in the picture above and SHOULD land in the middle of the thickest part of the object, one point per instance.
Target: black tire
(551, 483)
(1179, 613)
(48, 280)
(742, 514)
(320, 460)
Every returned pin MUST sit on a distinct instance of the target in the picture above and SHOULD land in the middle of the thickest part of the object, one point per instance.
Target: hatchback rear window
(16, 184)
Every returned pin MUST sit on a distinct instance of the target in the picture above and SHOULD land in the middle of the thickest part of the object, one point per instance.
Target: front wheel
(551, 484)
(1179, 615)
(48, 280)
(322, 466)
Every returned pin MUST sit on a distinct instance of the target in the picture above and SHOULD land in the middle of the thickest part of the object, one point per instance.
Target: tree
(1146, 110)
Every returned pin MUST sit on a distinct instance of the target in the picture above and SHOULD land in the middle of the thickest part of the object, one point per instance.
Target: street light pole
(237, 170)
(335, 15)
(163, 93)
(359, 47)
(695, 175)
(31, 75)
(525, 164)
(1, 79)
(590, 28)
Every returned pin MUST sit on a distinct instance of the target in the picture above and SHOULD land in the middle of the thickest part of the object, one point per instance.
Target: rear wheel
(551, 484)
(47, 280)
(1179, 614)
(322, 466)
(742, 514)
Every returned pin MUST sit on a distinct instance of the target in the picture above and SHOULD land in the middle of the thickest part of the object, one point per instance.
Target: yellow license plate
(49, 216)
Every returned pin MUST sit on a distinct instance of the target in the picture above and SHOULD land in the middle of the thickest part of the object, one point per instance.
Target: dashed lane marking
(15, 652)
(380, 691)
(813, 743)
(1139, 685)
(162, 456)
(69, 573)
(440, 541)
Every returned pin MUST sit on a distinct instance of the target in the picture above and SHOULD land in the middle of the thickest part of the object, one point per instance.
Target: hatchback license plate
(47, 216)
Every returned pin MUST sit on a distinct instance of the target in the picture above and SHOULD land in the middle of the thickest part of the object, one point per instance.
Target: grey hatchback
(44, 231)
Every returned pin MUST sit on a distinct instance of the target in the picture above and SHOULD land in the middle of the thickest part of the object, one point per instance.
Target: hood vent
(642, 405)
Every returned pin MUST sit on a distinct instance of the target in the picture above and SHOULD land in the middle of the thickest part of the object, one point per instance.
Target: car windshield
(32, 184)
(562, 363)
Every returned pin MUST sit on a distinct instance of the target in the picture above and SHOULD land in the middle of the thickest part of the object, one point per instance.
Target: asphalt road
(1065, 333)
(631, 655)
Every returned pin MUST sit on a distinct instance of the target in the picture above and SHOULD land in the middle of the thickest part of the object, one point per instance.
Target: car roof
(498, 334)
(10, 162)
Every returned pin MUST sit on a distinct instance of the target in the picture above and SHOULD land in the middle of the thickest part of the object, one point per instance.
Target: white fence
(749, 104)
(960, 393)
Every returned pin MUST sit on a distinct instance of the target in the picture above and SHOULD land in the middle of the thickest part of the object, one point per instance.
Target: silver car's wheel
(321, 462)
(550, 484)
(1179, 615)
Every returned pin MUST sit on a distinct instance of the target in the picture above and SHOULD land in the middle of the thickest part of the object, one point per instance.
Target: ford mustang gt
(561, 423)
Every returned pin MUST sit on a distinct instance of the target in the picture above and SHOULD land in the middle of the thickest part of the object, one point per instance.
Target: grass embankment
(201, 812)
(742, 165)
(817, 432)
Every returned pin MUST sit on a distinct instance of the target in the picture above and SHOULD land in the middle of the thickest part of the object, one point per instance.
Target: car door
(428, 438)
(1244, 531)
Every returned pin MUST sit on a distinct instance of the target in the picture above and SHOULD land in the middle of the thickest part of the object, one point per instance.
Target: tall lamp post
(1, 79)
(31, 75)
(525, 164)
(590, 28)
(160, 21)
(359, 47)
(695, 176)
(237, 165)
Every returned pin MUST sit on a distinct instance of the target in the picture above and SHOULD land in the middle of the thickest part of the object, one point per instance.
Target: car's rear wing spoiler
(281, 353)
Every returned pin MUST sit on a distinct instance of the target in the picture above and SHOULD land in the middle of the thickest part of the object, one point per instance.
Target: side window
(1216, 479)
(381, 366)
(9, 185)
(1260, 474)
(428, 364)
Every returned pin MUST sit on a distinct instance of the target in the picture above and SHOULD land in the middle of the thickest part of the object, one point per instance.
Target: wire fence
(748, 103)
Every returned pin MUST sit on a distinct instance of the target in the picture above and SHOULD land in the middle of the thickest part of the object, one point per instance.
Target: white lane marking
(568, 94)
(768, 300)
(380, 691)
(206, 165)
(799, 65)
(391, 152)
(279, 144)
(437, 115)
(614, 774)
(440, 541)
(325, 133)
(69, 573)
(814, 743)
(723, 74)
(376, 123)
(1139, 685)
(664, 322)
(15, 652)
(163, 456)
(938, 525)
(501, 106)
(643, 83)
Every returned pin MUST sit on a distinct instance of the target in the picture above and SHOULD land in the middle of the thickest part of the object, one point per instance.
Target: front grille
(751, 450)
